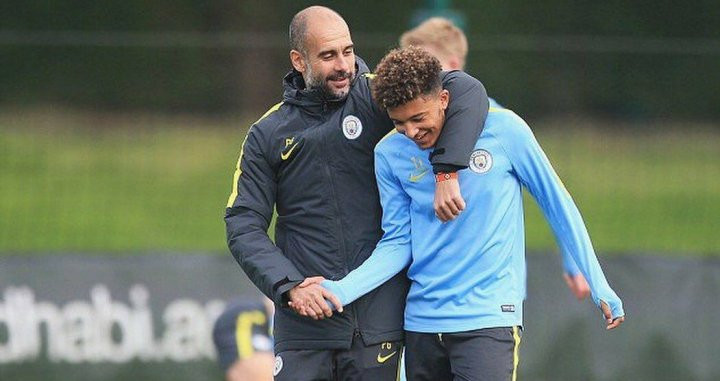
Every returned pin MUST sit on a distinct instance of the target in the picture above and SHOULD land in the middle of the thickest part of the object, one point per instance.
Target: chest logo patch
(480, 161)
(289, 148)
(420, 170)
(352, 127)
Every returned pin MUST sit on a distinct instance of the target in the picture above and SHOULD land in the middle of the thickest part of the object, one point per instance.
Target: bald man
(310, 157)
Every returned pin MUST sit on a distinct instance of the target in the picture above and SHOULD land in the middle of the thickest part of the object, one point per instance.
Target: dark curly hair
(405, 74)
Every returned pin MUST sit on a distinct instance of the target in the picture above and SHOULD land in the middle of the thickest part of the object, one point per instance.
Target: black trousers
(489, 354)
(379, 362)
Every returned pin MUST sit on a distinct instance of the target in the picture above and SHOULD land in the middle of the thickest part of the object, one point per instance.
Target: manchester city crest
(352, 127)
(278, 365)
(480, 161)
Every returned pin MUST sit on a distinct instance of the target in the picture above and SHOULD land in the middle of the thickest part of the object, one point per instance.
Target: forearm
(464, 121)
(383, 264)
(576, 247)
(569, 265)
(535, 171)
(393, 252)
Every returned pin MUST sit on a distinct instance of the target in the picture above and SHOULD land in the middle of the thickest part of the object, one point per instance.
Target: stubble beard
(317, 82)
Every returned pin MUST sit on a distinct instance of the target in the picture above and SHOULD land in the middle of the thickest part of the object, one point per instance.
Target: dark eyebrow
(411, 117)
(322, 53)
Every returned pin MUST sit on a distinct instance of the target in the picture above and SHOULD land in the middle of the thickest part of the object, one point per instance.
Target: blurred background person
(243, 340)
(441, 38)
(444, 40)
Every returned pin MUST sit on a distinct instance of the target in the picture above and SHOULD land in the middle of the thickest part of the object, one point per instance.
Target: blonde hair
(439, 34)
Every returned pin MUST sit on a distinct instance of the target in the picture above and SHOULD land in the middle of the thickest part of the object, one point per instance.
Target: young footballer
(463, 316)
(446, 42)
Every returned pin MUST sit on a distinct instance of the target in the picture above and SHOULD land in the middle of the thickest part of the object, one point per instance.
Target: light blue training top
(469, 273)
(493, 103)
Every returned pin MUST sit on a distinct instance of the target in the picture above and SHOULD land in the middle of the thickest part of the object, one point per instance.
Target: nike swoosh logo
(286, 155)
(382, 359)
(416, 178)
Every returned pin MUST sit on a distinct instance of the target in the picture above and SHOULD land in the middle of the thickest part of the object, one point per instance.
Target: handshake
(311, 299)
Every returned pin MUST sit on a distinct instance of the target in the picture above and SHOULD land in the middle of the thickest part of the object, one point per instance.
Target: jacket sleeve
(535, 172)
(464, 121)
(247, 218)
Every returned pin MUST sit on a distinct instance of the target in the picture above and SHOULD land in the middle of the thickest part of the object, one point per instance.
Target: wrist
(445, 176)
(282, 292)
(437, 168)
(334, 287)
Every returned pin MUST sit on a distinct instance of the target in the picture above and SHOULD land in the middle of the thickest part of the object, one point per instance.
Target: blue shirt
(469, 273)
(493, 103)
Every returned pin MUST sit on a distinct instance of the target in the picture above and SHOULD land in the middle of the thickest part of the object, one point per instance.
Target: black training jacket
(312, 160)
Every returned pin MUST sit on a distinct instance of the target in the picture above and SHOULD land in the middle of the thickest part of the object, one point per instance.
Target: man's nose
(411, 130)
(342, 63)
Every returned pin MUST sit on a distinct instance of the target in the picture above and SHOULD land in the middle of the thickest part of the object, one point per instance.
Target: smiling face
(422, 118)
(328, 62)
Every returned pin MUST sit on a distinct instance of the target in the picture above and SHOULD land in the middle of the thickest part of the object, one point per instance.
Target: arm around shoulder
(464, 121)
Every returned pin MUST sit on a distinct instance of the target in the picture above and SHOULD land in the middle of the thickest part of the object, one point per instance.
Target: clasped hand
(309, 299)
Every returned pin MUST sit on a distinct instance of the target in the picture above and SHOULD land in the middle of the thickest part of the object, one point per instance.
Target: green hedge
(677, 79)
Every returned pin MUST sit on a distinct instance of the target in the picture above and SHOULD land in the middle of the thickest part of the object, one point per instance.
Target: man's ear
(297, 60)
(444, 98)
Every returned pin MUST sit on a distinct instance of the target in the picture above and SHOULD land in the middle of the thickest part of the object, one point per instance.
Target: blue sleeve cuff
(615, 304)
(335, 288)
(617, 309)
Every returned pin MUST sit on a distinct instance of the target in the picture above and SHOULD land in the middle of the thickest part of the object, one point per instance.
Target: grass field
(133, 183)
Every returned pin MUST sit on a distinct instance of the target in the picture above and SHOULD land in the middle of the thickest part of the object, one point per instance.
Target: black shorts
(489, 354)
(379, 362)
